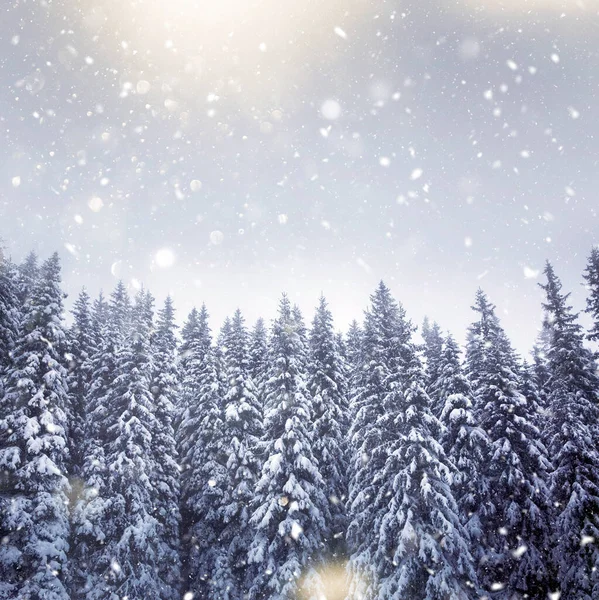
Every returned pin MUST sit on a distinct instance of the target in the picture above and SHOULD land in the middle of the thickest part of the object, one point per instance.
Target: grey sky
(437, 145)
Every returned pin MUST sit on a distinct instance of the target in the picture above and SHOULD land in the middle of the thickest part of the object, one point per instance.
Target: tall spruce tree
(573, 399)
(353, 345)
(95, 528)
(34, 456)
(81, 346)
(514, 550)
(383, 338)
(591, 276)
(203, 476)
(328, 387)
(10, 317)
(27, 273)
(539, 369)
(132, 551)
(258, 360)
(432, 349)
(466, 444)
(165, 392)
(291, 509)
(423, 549)
(242, 432)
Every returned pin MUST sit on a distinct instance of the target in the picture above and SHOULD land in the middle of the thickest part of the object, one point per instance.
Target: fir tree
(165, 391)
(27, 274)
(242, 431)
(423, 550)
(353, 345)
(432, 349)
(328, 387)
(203, 476)
(539, 369)
(515, 530)
(98, 320)
(466, 444)
(94, 525)
(34, 455)
(132, 551)
(291, 510)
(591, 276)
(10, 317)
(81, 346)
(258, 359)
(384, 336)
(573, 441)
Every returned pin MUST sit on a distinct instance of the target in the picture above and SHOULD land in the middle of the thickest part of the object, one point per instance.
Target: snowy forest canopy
(142, 462)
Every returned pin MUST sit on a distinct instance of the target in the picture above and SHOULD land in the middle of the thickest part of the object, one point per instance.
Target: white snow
(164, 258)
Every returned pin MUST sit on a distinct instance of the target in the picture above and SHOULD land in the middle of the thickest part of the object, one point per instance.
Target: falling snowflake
(165, 258)
(216, 237)
(330, 110)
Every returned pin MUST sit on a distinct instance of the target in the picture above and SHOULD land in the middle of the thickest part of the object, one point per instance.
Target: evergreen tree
(165, 391)
(591, 276)
(573, 441)
(120, 545)
(81, 346)
(466, 444)
(539, 370)
(515, 530)
(98, 320)
(384, 337)
(94, 525)
(34, 455)
(423, 550)
(28, 272)
(242, 431)
(328, 387)
(203, 477)
(432, 349)
(132, 552)
(221, 349)
(258, 359)
(353, 346)
(291, 510)
(10, 317)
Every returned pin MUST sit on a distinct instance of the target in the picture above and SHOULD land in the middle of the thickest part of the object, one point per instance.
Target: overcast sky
(225, 151)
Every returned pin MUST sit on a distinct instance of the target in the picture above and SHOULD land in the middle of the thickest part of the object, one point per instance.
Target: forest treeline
(142, 462)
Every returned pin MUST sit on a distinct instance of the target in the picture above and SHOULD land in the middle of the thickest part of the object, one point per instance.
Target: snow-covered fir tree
(591, 276)
(291, 509)
(423, 549)
(327, 385)
(466, 444)
(165, 392)
(80, 345)
(432, 349)
(27, 274)
(202, 455)
(242, 428)
(220, 350)
(10, 316)
(514, 537)
(573, 398)
(539, 369)
(353, 345)
(117, 529)
(93, 524)
(383, 339)
(258, 358)
(34, 455)
(135, 550)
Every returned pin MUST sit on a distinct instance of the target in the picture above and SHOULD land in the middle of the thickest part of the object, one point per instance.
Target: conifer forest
(282, 460)
(299, 300)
